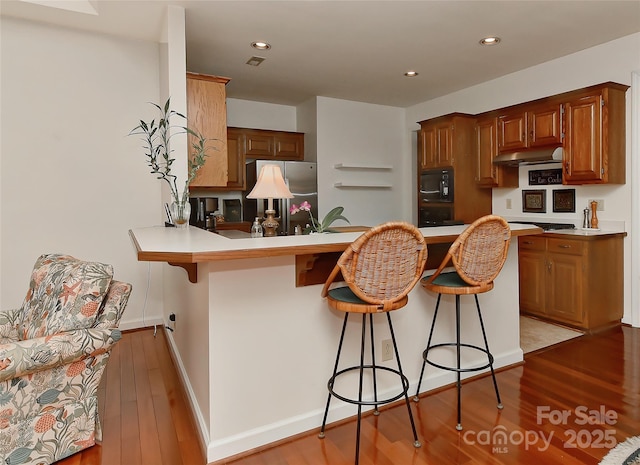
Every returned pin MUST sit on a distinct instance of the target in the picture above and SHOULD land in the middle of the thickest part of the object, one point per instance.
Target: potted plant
(156, 136)
(319, 227)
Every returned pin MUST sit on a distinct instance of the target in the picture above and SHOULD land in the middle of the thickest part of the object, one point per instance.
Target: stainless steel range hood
(530, 157)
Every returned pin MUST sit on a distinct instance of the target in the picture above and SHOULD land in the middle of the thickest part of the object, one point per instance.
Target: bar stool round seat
(478, 256)
(380, 268)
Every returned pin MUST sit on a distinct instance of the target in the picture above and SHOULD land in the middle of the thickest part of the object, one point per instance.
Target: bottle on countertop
(256, 228)
(585, 221)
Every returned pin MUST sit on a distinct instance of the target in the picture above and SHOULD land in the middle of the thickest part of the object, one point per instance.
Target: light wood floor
(146, 420)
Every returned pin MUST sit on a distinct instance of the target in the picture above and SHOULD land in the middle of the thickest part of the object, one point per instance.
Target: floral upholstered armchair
(53, 352)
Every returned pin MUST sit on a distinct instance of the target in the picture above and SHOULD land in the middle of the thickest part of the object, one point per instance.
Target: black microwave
(436, 185)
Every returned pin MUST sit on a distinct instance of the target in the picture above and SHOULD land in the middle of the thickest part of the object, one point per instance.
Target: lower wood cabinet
(573, 280)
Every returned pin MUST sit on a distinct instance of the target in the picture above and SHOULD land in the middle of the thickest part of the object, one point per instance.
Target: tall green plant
(156, 136)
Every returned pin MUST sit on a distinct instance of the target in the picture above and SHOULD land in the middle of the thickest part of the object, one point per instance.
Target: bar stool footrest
(425, 356)
(405, 386)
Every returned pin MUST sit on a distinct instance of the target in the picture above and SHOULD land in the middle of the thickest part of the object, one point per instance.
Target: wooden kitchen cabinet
(207, 114)
(261, 144)
(573, 280)
(448, 141)
(236, 179)
(437, 142)
(594, 149)
(486, 148)
(529, 126)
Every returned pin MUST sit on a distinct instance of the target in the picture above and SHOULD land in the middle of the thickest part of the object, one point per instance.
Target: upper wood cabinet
(594, 149)
(436, 143)
(529, 126)
(236, 162)
(278, 145)
(207, 114)
(487, 174)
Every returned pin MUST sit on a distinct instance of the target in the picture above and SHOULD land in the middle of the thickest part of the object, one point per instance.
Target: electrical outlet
(508, 204)
(387, 350)
(600, 204)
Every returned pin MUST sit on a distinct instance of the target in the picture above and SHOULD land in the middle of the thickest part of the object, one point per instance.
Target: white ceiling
(359, 49)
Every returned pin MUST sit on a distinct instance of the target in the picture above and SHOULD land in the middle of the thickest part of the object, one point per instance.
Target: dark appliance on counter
(202, 209)
(301, 177)
(436, 198)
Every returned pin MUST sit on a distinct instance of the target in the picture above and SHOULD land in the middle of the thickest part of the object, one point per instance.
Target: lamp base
(270, 224)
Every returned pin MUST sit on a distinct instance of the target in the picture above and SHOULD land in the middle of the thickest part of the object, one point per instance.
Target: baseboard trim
(203, 433)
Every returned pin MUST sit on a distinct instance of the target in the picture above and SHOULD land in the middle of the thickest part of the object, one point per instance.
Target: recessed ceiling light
(490, 41)
(261, 45)
(411, 73)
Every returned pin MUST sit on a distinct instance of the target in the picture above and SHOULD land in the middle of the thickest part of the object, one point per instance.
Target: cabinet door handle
(527, 242)
(564, 246)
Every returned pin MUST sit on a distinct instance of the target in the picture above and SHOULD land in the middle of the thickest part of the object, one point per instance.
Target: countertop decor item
(319, 226)
(594, 216)
(270, 185)
(157, 135)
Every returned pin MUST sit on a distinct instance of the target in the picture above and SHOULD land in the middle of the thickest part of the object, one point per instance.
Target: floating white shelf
(352, 166)
(344, 185)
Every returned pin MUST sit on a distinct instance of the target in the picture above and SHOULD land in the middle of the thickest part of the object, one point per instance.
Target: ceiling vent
(255, 61)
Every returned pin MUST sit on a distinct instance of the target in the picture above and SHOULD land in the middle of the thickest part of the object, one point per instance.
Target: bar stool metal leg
(416, 442)
(426, 351)
(364, 333)
(376, 412)
(458, 384)
(335, 370)
(486, 344)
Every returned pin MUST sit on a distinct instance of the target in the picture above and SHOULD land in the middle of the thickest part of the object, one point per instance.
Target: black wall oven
(436, 197)
(436, 185)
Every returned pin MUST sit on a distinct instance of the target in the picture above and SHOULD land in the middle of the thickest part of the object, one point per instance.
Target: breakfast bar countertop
(194, 245)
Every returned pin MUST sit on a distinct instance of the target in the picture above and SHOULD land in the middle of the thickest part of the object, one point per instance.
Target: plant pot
(181, 212)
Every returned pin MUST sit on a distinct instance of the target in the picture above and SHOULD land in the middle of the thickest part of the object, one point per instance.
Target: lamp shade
(270, 185)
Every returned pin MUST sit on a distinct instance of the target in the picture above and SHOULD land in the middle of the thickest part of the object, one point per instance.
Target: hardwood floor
(146, 420)
(145, 415)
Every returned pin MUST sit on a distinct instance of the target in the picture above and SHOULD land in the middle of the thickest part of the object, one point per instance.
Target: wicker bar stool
(379, 268)
(477, 255)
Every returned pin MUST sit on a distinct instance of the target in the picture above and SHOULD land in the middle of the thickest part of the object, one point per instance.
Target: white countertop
(194, 245)
(586, 232)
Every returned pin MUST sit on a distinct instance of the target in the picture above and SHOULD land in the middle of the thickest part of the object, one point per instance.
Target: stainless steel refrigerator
(301, 177)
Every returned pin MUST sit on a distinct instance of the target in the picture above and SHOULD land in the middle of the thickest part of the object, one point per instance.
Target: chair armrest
(9, 320)
(25, 357)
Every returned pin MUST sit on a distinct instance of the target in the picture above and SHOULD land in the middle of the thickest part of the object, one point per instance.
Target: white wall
(365, 134)
(613, 61)
(71, 180)
(258, 115)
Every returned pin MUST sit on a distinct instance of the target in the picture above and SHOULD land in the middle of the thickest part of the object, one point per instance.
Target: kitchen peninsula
(255, 347)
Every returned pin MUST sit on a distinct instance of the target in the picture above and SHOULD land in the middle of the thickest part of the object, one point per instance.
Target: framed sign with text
(545, 177)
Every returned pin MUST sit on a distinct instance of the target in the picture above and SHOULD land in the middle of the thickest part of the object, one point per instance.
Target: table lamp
(270, 185)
